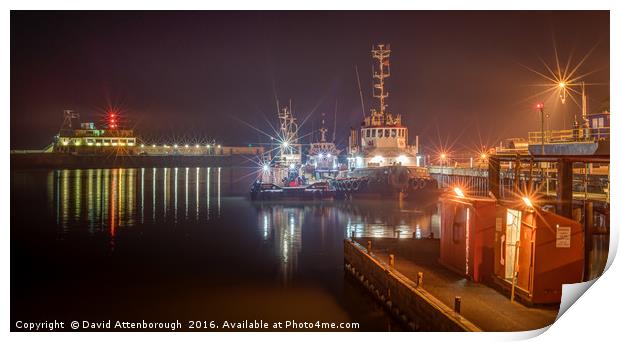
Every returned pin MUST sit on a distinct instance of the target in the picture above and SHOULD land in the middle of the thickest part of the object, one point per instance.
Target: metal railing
(569, 135)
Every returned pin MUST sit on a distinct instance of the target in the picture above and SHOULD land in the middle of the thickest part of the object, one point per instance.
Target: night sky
(180, 76)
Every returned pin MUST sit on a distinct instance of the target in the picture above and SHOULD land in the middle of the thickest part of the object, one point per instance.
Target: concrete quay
(481, 307)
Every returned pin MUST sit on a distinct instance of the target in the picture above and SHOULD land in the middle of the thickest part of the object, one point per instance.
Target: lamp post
(562, 86)
(442, 159)
(541, 107)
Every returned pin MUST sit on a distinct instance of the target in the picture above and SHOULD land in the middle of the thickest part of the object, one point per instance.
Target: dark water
(186, 244)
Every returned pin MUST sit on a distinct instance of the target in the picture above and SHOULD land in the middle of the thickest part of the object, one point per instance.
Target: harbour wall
(412, 305)
(71, 161)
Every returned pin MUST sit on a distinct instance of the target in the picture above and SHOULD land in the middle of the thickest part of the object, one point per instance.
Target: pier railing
(569, 135)
(589, 183)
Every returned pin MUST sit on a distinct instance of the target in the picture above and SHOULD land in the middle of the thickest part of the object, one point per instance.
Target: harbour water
(166, 244)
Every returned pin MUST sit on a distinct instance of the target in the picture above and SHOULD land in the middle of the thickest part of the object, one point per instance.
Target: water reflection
(284, 226)
(391, 220)
(111, 199)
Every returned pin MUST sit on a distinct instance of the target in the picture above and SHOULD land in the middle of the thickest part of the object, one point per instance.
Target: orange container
(540, 250)
(467, 232)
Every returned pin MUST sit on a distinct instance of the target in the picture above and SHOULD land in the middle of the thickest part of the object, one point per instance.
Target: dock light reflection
(112, 199)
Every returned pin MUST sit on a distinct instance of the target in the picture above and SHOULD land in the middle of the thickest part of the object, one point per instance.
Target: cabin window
(401, 133)
(373, 133)
(380, 133)
(393, 133)
(367, 133)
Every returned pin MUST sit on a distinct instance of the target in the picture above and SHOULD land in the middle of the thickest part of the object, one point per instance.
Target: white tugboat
(383, 139)
(381, 160)
(322, 161)
(284, 168)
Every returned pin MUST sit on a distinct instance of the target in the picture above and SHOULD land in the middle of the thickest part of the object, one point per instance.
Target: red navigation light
(112, 114)
(539, 106)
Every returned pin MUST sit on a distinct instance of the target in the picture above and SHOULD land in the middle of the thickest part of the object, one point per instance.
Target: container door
(460, 238)
(500, 242)
(512, 237)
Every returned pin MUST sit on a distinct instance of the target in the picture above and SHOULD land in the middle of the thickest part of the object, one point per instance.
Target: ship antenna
(359, 86)
(68, 116)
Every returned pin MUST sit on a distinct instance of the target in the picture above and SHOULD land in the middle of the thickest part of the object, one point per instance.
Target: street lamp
(459, 193)
(540, 107)
(562, 86)
(442, 159)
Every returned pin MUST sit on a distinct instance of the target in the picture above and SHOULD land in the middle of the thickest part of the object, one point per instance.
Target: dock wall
(413, 306)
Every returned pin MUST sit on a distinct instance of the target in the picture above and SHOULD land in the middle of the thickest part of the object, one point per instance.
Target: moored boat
(382, 144)
(272, 192)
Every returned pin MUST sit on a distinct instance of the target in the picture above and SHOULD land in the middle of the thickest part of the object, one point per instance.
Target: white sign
(562, 237)
(498, 224)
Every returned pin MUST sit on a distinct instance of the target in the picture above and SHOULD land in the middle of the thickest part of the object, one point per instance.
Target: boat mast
(323, 130)
(289, 144)
(382, 54)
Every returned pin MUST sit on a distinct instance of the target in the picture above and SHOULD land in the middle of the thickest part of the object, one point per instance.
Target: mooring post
(420, 278)
(352, 235)
(391, 260)
(565, 188)
(457, 304)
(369, 246)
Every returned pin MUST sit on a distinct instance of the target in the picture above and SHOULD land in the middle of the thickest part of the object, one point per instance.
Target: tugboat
(282, 179)
(380, 155)
(322, 161)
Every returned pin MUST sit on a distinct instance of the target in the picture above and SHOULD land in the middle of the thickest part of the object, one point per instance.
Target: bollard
(391, 260)
(457, 304)
(352, 235)
(420, 278)
(369, 246)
